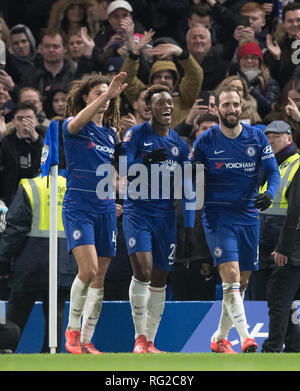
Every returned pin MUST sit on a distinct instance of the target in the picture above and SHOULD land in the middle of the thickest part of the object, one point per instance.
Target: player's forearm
(86, 114)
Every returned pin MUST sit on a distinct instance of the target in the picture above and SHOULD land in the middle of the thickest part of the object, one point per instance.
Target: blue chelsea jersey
(232, 171)
(85, 151)
(141, 140)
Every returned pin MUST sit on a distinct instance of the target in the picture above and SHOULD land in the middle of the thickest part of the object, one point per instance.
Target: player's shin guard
(77, 299)
(155, 309)
(235, 308)
(91, 313)
(138, 297)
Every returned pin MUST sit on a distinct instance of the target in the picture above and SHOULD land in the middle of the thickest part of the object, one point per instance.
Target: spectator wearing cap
(184, 89)
(111, 40)
(261, 85)
(278, 277)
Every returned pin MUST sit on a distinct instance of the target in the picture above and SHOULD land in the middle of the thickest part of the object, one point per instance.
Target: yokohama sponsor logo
(240, 165)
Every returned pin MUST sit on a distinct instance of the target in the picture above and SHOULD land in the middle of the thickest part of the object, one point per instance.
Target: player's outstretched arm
(115, 88)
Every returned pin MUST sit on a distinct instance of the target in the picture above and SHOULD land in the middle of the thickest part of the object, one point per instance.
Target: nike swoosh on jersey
(217, 152)
(147, 144)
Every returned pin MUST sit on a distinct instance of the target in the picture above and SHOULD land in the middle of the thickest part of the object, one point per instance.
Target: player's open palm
(117, 85)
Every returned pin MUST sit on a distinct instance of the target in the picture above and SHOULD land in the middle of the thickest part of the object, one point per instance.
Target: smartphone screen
(244, 21)
(205, 96)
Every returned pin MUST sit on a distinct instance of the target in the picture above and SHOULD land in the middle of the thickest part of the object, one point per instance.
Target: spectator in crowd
(23, 46)
(53, 69)
(278, 278)
(202, 14)
(184, 89)
(249, 104)
(251, 66)
(203, 123)
(68, 16)
(20, 152)
(287, 108)
(257, 18)
(97, 10)
(226, 19)
(32, 95)
(24, 256)
(186, 127)
(198, 43)
(75, 50)
(55, 103)
(279, 57)
(111, 43)
(141, 114)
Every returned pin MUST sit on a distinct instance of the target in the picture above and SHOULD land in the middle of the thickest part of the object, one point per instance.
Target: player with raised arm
(150, 224)
(234, 154)
(89, 139)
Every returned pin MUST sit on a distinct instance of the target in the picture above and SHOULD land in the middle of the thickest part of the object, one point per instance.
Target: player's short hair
(155, 89)
(226, 89)
(202, 10)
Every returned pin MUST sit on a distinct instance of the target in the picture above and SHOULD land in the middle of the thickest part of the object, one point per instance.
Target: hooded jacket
(20, 62)
(185, 91)
(57, 16)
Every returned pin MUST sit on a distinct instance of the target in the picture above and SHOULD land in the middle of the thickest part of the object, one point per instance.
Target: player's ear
(84, 98)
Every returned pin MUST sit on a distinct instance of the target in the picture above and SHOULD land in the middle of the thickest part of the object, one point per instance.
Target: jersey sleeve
(129, 148)
(65, 126)
(269, 166)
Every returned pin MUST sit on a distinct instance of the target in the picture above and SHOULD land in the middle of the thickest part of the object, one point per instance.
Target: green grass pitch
(147, 362)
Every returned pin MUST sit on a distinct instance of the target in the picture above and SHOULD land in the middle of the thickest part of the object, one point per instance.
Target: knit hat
(249, 48)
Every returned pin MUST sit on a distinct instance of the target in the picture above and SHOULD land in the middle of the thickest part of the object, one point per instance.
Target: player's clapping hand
(117, 85)
(262, 201)
(189, 242)
(158, 155)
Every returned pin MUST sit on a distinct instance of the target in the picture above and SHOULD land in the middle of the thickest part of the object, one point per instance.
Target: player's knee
(88, 274)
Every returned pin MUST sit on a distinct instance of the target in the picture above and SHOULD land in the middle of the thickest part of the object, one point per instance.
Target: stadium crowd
(195, 48)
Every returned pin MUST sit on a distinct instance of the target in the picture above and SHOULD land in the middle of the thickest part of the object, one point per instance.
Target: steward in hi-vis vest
(24, 254)
(278, 278)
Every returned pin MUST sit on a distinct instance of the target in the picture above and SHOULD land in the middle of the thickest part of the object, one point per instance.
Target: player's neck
(98, 120)
(161, 130)
(231, 133)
